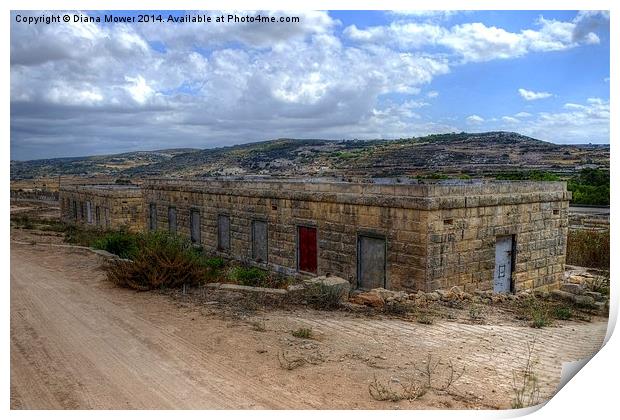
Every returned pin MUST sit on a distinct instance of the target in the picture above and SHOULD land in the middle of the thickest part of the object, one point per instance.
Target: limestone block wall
(111, 206)
(468, 219)
(436, 235)
(340, 212)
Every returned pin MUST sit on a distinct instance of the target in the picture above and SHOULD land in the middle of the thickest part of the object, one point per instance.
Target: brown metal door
(371, 262)
(307, 252)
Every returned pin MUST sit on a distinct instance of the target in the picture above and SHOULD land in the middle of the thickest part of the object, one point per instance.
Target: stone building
(102, 206)
(502, 236)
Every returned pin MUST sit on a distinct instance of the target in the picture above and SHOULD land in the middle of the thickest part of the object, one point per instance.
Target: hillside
(102, 165)
(474, 154)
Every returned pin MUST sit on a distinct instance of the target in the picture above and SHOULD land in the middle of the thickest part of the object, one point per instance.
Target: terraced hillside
(473, 154)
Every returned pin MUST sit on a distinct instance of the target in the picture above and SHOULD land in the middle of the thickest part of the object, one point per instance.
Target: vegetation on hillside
(589, 186)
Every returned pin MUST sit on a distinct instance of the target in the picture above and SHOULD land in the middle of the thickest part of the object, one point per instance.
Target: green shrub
(588, 248)
(121, 243)
(563, 312)
(302, 333)
(215, 263)
(248, 276)
(160, 260)
(84, 237)
(537, 311)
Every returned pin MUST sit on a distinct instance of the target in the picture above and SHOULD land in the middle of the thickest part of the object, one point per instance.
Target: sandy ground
(78, 342)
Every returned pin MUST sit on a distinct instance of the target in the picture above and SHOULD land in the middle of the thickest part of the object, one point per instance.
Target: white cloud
(432, 94)
(477, 42)
(580, 123)
(523, 114)
(139, 89)
(510, 120)
(530, 95)
(474, 119)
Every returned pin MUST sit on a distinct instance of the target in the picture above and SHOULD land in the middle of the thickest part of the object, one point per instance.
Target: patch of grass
(215, 263)
(588, 248)
(302, 333)
(475, 313)
(563, 312)
(83, 237)
(435, 376)
(319, 296)
(425, 318)
(25, 221)
(538, 312)
(259, 326)
(248, 276)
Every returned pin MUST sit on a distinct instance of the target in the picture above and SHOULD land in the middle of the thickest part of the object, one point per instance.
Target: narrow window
(172, 220)
(89, 213)
(97, 215)
(223, 232)
(259, 240)
(75, 212)
(106, 216)
(152, 216)
(194, 219)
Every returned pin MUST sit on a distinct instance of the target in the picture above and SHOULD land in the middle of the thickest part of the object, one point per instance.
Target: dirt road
(78, 342)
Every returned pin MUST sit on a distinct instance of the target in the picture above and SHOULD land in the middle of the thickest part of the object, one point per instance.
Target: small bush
(248, 276)
(563, 312)
(121, 243)
(475, 312)
(161, 260)
(215, 263)
(425, 318)
(319, 296)
(302, 333)
(83, 237)
(588, 248)
(538, 312)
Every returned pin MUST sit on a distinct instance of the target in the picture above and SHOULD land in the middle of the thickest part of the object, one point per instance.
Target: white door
(503, 264)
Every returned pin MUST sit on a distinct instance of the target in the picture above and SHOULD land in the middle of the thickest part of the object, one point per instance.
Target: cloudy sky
(92, 88)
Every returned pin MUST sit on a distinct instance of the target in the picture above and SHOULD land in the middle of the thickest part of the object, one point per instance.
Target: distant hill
(110, 165)
(475, 154)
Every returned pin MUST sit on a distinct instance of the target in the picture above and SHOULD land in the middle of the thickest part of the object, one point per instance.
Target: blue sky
(338, 75)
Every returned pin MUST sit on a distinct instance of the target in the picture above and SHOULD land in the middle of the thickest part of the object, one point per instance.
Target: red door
(307, 249)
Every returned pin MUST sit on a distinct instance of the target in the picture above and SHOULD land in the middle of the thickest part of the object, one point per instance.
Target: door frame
(373, 235)
(297, 247)
(513, 259)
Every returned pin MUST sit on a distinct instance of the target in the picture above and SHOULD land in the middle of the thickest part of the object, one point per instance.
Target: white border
(592, 394)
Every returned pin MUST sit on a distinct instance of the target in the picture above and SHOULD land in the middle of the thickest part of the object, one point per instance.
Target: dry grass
(435, 376)
(587, 248)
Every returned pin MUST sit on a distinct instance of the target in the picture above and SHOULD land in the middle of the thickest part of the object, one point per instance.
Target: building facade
(501, 236)
(102, 206)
